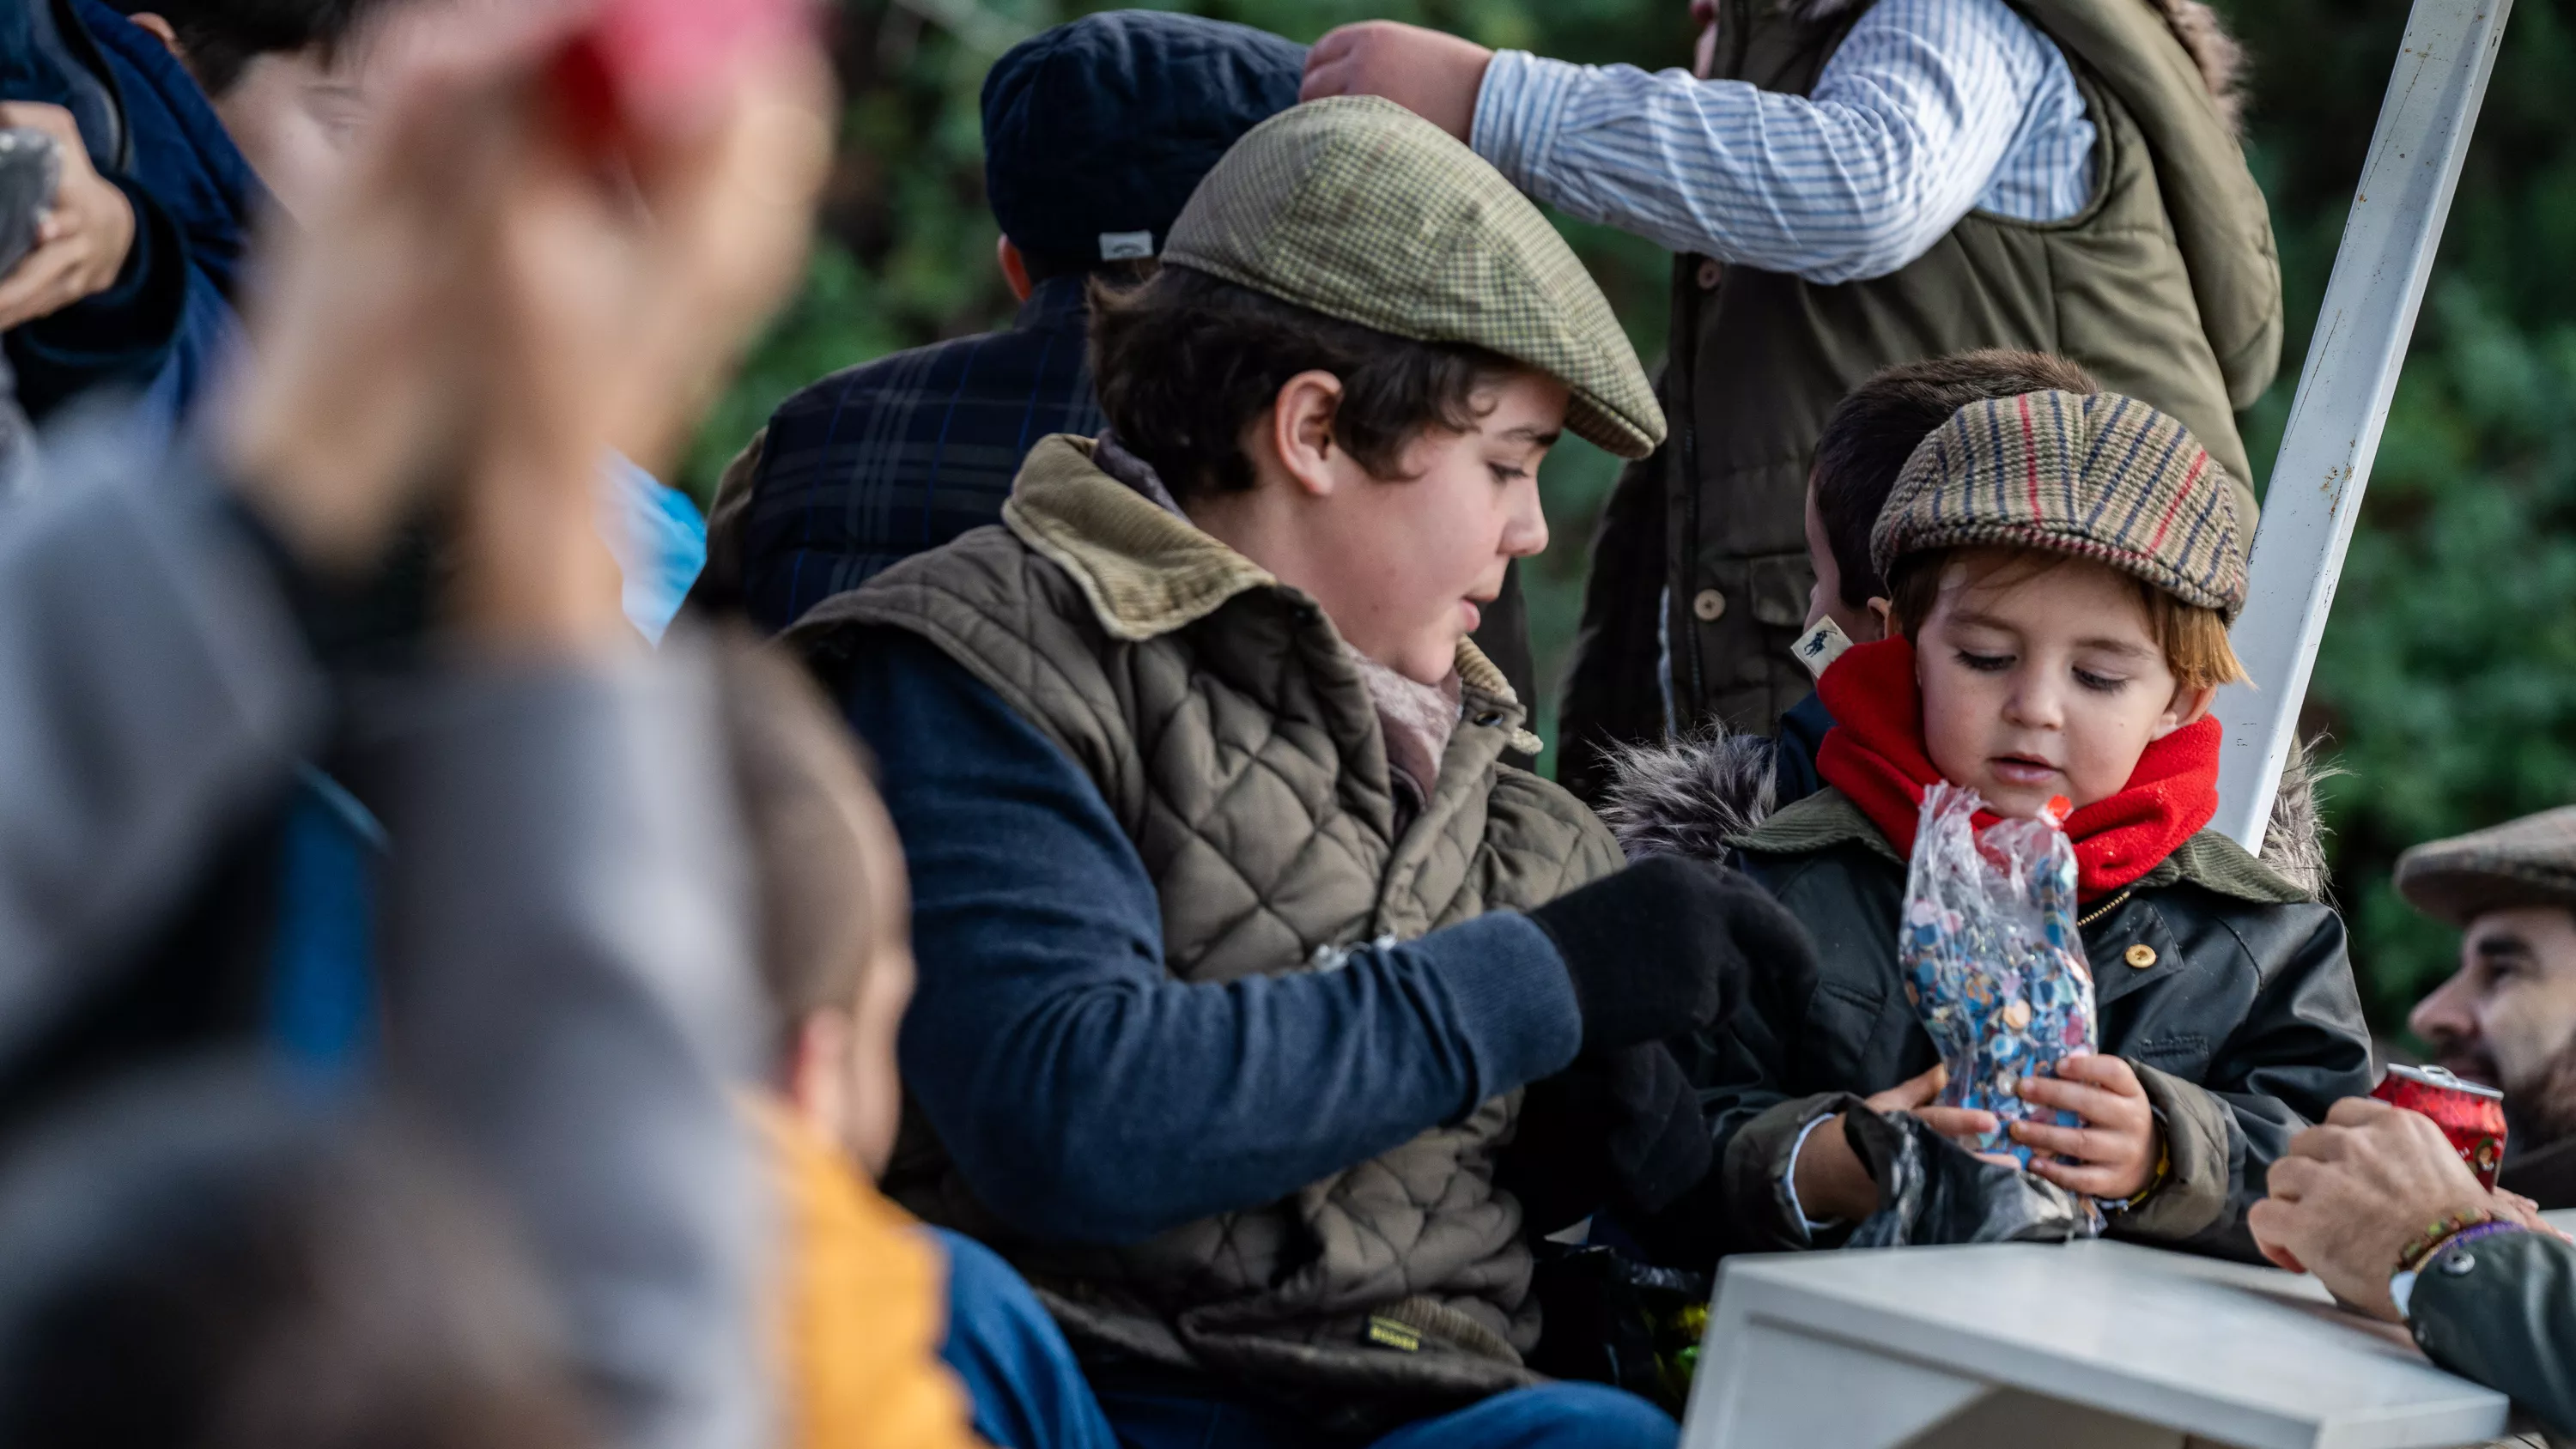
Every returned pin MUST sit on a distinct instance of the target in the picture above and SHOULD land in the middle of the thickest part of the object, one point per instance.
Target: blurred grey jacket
(567, 961)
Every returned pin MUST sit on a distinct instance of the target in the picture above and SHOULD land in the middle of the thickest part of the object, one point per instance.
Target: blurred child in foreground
(198, 1257)
(467, 322)
(867, 1287)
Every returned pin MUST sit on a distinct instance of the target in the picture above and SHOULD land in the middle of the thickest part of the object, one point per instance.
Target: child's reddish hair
(2194, 638)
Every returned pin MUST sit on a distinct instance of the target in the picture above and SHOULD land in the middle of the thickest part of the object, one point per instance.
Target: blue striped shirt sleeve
(1929, 110)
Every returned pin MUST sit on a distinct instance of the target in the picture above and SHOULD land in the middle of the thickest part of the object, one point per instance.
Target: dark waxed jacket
(2240, 1015)
(2244, 1023)
(2544, 1171)
(2502, 1311)
(189, 164)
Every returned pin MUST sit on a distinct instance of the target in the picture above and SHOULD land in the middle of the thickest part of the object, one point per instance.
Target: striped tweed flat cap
(2526, 862)
(2103, 477)
(1359, 209)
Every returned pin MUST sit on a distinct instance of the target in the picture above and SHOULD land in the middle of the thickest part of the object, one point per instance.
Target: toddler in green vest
(1238, 942)
(2060, 571)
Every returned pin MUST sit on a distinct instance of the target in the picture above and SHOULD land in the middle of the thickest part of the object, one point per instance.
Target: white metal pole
(2362, 332)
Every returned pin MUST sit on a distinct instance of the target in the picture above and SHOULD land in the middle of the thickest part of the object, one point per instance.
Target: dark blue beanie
(1096, 132)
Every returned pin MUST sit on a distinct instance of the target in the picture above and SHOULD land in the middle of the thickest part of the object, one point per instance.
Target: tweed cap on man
(2103, 477)
(1359, 209)
(2526, 862)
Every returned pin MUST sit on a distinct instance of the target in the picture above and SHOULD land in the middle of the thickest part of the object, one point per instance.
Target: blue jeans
(1550, 1416)
(1029, 1393)
(1020, 1374)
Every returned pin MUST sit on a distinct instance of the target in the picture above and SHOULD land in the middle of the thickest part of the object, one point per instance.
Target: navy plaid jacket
(881, 461)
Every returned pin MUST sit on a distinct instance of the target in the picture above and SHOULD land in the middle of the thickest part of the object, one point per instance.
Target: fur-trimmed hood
(2204, 37)
(1693, 795)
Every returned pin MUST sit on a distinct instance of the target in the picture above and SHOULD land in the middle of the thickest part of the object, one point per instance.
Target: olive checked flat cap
(2526, 862)
(1359, 209)
(2097, 476)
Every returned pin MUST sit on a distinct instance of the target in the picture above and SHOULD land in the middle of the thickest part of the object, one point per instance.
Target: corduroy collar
(1148, 571)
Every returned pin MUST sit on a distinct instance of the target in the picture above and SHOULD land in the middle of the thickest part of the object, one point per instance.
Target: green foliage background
(2447, 683)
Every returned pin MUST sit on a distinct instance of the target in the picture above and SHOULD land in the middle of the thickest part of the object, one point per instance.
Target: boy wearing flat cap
(2508, 1016)
(1237, 942)
(2061, 573)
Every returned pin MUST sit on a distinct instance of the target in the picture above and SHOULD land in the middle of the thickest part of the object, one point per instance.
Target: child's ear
(1882, 614)
(2189, 706)
(1301, 430)
(817, 1077)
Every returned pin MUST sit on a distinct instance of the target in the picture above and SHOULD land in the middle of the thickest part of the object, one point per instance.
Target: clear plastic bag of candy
(1987, 941)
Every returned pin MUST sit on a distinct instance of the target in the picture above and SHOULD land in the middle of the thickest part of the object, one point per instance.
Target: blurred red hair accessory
(660, 67)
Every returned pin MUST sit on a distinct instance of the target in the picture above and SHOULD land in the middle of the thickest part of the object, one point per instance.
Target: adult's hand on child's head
(2113, 1154)
(2350, 1195)
(1434, 75)
(81, 244)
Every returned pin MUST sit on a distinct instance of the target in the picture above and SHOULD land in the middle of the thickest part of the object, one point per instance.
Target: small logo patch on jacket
(1387, 1333)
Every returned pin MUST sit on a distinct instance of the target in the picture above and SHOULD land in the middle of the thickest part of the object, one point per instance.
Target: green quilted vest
(1231, 736)
(2166, 286)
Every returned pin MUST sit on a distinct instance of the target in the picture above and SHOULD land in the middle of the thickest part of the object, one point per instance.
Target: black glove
(1931, 1190)
(1622, 1131)
(1661, 949)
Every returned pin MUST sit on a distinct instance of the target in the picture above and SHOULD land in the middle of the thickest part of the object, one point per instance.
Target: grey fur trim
(1688, 796)
(2203, 34)
(2221, 60)
(1691, 795)
(2294, 842)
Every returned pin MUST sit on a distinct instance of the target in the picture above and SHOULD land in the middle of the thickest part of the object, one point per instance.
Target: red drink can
(2470, 1115)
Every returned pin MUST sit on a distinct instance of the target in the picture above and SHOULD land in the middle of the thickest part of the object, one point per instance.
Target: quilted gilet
(1231, 735)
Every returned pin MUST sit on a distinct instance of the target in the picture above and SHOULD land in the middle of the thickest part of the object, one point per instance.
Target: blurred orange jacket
(862, 1309)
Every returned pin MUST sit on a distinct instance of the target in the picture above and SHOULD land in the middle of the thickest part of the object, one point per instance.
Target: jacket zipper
(2106, 908)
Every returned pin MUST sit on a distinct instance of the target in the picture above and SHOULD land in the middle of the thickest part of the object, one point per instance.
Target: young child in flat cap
(1237, 941)
(2061, 570)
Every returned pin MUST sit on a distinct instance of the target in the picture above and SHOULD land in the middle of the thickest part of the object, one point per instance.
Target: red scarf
(1874, 754)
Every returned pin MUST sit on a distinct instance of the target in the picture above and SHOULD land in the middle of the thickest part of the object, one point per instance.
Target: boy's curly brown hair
(1186, 361)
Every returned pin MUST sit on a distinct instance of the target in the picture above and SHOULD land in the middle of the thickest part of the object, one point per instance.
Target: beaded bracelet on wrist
(2441, 1233)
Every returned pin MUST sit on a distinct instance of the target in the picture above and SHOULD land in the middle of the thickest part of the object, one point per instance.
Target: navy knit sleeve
(1085, 1093)
(116, 338)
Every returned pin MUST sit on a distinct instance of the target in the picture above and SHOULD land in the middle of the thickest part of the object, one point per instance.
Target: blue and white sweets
(1991, 955)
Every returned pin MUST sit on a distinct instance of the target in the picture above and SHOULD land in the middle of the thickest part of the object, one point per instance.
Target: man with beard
(2508, 1016)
